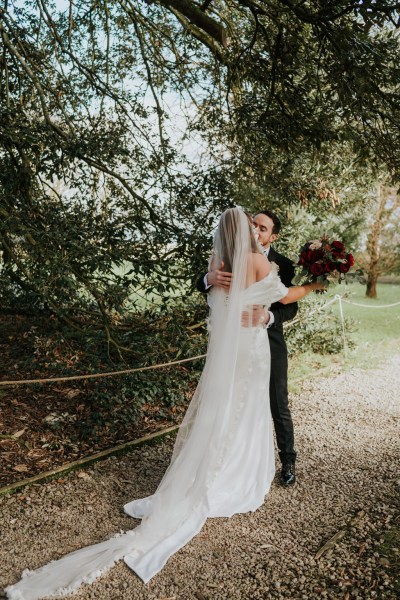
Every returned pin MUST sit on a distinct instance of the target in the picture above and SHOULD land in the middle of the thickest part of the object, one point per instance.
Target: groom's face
(264, 226)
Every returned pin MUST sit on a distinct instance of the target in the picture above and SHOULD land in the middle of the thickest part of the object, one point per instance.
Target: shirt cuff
(205, 281)
(271, 319)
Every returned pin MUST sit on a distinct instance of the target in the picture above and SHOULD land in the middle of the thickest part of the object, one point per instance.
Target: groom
(268, 225)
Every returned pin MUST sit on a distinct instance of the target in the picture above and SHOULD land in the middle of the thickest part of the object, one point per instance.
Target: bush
(320, 332)
(156, 336)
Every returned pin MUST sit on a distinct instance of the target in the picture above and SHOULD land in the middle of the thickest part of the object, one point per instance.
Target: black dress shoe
(288, 476)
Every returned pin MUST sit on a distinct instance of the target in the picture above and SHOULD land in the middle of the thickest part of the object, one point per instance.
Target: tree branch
(197, 17)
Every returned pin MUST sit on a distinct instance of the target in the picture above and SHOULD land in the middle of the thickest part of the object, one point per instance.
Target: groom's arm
(283, 312)
(276, 315)
(214, 277)
(201, 284)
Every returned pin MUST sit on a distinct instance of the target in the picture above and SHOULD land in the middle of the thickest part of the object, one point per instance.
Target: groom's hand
(257, 315)
(220, 278)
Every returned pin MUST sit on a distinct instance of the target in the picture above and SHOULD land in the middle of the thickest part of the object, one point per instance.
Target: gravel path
(347, 437)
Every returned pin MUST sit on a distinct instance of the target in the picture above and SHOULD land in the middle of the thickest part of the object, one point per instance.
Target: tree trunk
(371, 284)
(373, 242)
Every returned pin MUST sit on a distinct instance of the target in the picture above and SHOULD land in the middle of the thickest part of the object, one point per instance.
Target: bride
(223, 459)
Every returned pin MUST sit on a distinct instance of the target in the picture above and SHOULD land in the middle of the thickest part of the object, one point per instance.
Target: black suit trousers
(278, 393)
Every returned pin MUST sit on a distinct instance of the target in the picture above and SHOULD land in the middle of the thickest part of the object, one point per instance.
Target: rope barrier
(312, 312)
(97, 375)
(337, 298)
(129, 371)
(370, 306)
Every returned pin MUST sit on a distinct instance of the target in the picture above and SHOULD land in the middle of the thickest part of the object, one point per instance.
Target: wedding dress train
(222, 464)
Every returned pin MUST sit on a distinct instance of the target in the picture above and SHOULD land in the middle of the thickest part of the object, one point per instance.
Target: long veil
(183, 500)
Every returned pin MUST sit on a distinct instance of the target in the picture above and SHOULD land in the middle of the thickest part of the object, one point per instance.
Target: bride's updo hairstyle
(234, 227)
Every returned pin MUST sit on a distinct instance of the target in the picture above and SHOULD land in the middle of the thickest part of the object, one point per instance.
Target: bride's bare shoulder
(260, 264)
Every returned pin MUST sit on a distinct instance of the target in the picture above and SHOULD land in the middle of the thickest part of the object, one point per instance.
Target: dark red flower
(314, 255)
(344, 267)
(303, 257)
(350, 259)
(317, 269)
(331, 256)
(338, 245)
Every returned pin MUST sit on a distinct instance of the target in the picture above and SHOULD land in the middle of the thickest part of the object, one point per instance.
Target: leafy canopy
(126, 127)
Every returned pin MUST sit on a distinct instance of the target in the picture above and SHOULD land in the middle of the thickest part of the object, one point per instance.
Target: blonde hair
(227, 231)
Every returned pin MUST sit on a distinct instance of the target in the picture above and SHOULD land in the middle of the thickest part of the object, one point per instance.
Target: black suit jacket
(281, 312)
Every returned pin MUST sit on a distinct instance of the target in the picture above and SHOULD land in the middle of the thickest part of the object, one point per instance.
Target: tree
(309, 76)
(128, 195)
(87, 97)
(382, 254)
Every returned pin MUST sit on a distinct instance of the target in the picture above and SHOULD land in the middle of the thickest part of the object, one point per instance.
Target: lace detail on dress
(275, 267)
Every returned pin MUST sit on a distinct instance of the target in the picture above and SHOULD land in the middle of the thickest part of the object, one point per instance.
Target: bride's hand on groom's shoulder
(219, 278)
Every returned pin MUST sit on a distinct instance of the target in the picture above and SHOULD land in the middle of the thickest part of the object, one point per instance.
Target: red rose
(344, 267)
(350, 259)
(313, 255)
(327, 267)
(303, 257)
(338, 245)
(317, 269)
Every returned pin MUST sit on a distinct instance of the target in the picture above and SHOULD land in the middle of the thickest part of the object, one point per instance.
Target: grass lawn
(376, 335)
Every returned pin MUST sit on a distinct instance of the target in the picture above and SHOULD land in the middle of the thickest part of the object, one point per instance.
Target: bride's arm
(297, 292)
(260, 314)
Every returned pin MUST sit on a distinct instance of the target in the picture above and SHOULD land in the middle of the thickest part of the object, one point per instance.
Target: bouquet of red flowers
(323, 260)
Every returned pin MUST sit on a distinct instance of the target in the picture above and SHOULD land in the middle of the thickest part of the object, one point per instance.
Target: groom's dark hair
(274, 218)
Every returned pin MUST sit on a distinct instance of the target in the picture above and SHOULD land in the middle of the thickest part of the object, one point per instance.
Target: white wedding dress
(223, 460)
